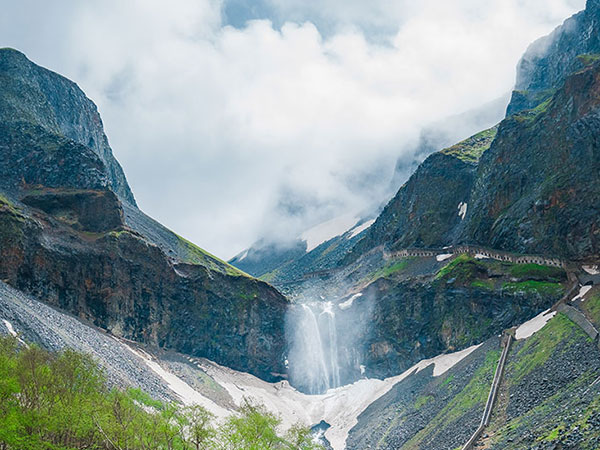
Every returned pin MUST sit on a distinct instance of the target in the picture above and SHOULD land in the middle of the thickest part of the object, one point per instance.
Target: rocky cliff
(538, 187)
(532, 187)
(34, 97)
(71, 234)
(550, 59)
(429, 208)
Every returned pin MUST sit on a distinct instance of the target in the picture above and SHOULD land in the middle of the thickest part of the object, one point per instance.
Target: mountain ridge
(72, 235)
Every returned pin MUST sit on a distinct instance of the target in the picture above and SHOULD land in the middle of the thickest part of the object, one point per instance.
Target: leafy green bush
(60, 401)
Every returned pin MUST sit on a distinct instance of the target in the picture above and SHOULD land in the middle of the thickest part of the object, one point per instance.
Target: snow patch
(348, 303)
(359, 229)
(12, 331)
(327, 230)
(445, 362)
(444, 257)
(241, 258)
(340, 407)
(480, 256)
(187, 394)
(534, 325)
(462, 210)
(584, 290)
(592, 270)
(9, 327)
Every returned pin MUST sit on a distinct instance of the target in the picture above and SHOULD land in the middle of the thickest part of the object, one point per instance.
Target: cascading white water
(312, 344)
(314, 356)
(332, 344)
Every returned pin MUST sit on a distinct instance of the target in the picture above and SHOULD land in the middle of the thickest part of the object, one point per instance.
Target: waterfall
(314, 357)
(332, 344)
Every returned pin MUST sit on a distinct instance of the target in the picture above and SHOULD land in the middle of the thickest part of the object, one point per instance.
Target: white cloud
(217, 126)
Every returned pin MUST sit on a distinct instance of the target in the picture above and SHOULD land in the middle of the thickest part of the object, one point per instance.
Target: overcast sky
(241, 118)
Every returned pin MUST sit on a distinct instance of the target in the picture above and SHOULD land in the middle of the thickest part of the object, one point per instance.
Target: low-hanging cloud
(231, 134)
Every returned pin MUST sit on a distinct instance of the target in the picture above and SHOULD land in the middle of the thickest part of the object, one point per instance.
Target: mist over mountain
(429, 279)
(294, 103)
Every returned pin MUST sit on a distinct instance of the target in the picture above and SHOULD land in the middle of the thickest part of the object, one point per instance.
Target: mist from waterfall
(314, 356)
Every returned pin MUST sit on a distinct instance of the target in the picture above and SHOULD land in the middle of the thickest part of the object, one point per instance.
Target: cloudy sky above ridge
(238, 119)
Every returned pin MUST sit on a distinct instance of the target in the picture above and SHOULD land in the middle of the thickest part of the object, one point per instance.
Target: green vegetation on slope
(11, 222)
(5, 203)
(588, 59)
(537, 271)
(529, 116)
(463, 267)
(541, 345)
(60, 401)
(471, 149)
(196, 255)
(389, 269)
(533, 286)
(591, 306)
(542, 373)
(512, 278)
(474, 395)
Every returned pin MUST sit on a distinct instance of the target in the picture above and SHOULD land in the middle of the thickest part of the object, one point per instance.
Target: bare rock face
(93, 211)
(534, 189)
(71, 234)
(34, 97)
(551, 59)
(538, 187)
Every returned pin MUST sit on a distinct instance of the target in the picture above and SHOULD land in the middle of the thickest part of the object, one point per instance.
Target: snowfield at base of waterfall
(339, 407)
(127, 364)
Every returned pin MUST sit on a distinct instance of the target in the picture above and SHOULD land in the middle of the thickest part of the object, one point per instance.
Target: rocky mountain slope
(550, 59)
(548, 398)
(533, 188)
(529, 186)
(37, 98)
(71, 234)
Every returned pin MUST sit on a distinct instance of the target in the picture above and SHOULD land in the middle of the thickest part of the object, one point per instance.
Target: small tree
(196, 429)
(253, 429)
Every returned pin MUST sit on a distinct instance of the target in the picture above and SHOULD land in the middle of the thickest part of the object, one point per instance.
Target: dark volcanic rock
(32, 156)
(36, 96)
(428, 210)
(549, 60)
(95, 211)
(122, 283)
(415, 320)
(70, 234)
(538, 186)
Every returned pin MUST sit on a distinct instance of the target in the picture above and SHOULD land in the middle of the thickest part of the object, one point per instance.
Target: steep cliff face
(538, 187)
(429, 209)
(464, 303)
(35, 97)
(549, 60)
(119, 281)
(70, 233)
(535, 190)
